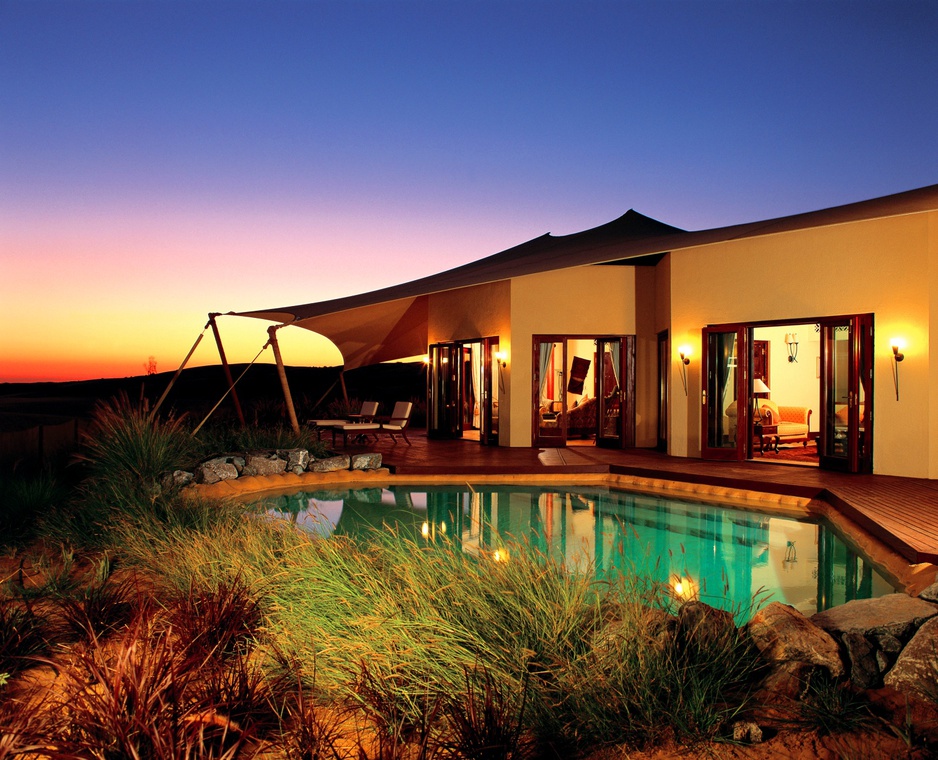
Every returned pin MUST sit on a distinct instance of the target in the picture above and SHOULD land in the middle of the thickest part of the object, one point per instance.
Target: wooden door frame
(536, 438)
(627, 385)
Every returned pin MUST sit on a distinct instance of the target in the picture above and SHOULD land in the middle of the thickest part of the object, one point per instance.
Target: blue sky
(160, 160)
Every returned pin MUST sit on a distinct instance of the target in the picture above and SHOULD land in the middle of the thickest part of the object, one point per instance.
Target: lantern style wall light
(791, 343)
(502, 358)
(684, 352)
(897, 345)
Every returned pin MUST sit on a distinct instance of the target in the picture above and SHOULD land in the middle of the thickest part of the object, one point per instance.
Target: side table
(762, 431)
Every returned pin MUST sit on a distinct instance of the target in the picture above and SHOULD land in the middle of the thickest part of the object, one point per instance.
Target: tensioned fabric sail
(391, 323)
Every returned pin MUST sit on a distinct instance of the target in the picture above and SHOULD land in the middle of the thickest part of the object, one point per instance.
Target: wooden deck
(900, 512)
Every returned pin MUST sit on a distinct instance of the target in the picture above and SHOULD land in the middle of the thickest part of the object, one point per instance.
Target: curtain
(545, 351)
(476, 370)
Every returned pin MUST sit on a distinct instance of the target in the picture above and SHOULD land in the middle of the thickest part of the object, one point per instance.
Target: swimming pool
(719, 554)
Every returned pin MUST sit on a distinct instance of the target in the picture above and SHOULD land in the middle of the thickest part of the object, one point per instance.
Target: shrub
(143, 703)
(126, 456)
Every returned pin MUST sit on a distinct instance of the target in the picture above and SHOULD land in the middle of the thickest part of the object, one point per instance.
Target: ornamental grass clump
(25, 635)
(126, 457)
(99, 607)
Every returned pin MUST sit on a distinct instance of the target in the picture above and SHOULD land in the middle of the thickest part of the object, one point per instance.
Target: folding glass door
(463, 383)
(584, 389)
(725, 407)
(846, 392)
(550, 362)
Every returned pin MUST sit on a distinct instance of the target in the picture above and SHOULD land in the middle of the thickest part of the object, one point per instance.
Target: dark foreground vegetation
(139, 621)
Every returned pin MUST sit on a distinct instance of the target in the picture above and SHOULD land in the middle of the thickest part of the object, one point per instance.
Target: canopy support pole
(287, 397)
(342, 382)
(224, 364)
(175, 377)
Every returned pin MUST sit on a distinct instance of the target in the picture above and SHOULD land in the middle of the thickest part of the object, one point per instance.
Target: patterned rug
(794, 453)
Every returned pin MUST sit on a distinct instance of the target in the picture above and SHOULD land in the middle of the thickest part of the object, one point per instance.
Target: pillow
(840, 414)
(767, 402)
(770, 415)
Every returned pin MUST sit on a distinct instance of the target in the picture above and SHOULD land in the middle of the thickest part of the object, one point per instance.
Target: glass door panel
(664, 364)
(846, 440)
(836, 396)
(609, 391)
(444, 395)
(725, 409)
(490, 370)
(549, 392)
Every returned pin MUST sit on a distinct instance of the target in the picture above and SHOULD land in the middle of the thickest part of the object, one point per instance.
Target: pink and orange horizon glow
(164, 159)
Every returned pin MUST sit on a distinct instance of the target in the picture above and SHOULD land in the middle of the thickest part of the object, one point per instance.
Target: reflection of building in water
(724, 556)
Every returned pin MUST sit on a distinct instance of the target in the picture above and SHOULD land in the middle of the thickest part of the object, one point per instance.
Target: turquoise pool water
(722, 555)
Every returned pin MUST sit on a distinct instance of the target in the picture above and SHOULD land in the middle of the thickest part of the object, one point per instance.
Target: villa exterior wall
(595, 300)
(886, 267)
(931, 352)
(646, 358)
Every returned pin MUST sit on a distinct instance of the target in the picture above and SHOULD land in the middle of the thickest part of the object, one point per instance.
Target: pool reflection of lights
(684, 589)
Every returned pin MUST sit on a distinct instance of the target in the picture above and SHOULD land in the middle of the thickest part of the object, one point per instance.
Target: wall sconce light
(502, 358)
(684, 352)
(897, 345)
(791, 343)
(426, 359)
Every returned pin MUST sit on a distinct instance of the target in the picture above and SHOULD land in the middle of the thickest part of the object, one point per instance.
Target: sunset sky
(161, 160)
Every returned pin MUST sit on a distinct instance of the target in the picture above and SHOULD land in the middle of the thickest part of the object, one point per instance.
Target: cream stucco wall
(886, 267)
(598, 300)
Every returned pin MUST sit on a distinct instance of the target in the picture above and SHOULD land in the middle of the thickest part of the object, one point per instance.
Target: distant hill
(198, 389)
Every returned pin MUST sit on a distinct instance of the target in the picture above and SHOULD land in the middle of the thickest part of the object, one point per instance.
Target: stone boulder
(263, 463)
(177, 479)
(331, 464)
(930, 594)
(297, 459)
(916, 668)
(783, 635)
(215, 470)
(873, 632)
(366, 461)
(701, 627)
(654, 623)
